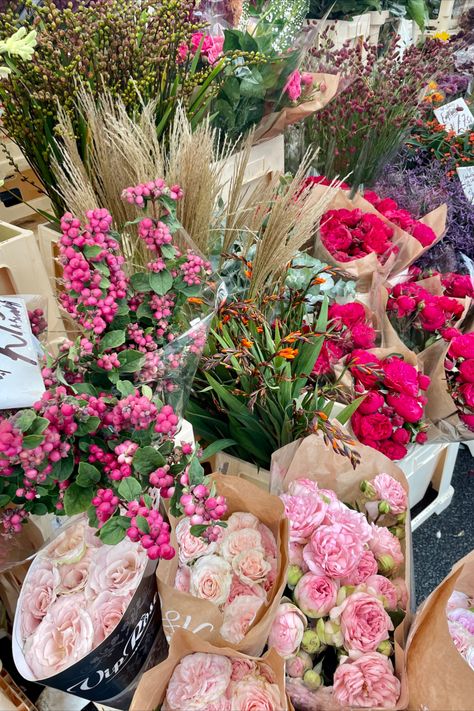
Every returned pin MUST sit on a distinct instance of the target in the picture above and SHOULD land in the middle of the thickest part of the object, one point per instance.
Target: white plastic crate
(342, 31)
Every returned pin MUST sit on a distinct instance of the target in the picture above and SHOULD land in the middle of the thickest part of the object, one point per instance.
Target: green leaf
(130, 361)
(140, 281)
(32, 441)
(77, 499)
(91, 251)
(225, 112)
(92, 516)
(144, 311)
(148, 392)
(25, 420)
(147, 459)
(113, 530)
(161, 282)
(417, 11)
(232, 40)
(130, 489)
(90, 425)
(112, 340)
(231, 90)
(215, 447)
(349, 410)
(195, 472)
(85, 389)
(168, 251)
(198, 530)
(64, 468)
(40, 424)
(4, 500)
(125, 387)
(39, 509)
(142, 524)
(88, 474)
(252, 86)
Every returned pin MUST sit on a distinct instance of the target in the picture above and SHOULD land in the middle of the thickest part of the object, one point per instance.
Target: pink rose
(315, 595)
(466, 370)
(368, 682)
(372, 402)
(211, 578)
(389, 489)
(239, 588)
(199, 680)
(458, 600)
(296, 555)
(287, 630)
(333, 550)
(242, 667)
(40, 593)
(375, 427)
(366, 567)
(386, 548)
(182, 581)
(251, 567)
(305, 514)
(74, 577)
(255, 695)
(106, 612)
(239, 617)
(299, 664)
(268, 541)
(381, 586)
(364, 622)
(191, 547)
(293, 86)
(236, 542)
(69, 546)
(402, 593)
(64, 637)
(303, 487)
(406, 406)
(337, 512)
(463, 617)
(117, 569)
(241, 519)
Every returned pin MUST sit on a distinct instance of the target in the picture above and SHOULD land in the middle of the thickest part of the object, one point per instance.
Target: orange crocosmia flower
(319, 280)
(194, 300)
(288, 353)
(246, 343)
(259, 329)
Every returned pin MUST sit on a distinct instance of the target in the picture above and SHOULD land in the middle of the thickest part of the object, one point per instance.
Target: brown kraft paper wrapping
(365, 268)
(275, 123)
(151, 690)
(312, 459)
(202, 617)
(439, 678)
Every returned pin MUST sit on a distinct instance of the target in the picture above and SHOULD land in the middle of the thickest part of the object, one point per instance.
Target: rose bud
(312, 680)
(367, 489)
(310, 642)
(385, 648)
(342, 593)
(297, 666)
(294, 575)
(401, 518)
(386, 564)
(384, 507)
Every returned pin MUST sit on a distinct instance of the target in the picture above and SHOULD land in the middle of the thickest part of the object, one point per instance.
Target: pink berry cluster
(92, 302)
(11, 520)
(37, 321)
(162, 307)
(108, 361)
(135, 412)
(154, 233)
(164, 481)
(143, 340)
(166, 421)
(157, 540)
(194, 268)
(105, 502)
(153, 190)
(115, 470)
(202, 508)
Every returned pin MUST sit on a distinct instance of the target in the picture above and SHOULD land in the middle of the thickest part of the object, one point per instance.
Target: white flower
(21, 44)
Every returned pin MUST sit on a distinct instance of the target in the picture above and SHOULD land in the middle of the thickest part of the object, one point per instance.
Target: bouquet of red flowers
(353, 234)
(459, 286)
(348, 328)
(421, 317)
(391, 415)
(404, 219)
(459, 368)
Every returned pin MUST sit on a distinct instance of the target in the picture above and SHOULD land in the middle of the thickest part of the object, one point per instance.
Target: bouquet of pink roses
(460, 612)
(404, 219)
(344, 578)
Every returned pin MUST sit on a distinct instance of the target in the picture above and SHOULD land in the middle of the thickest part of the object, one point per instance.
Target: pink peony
(236, 542)
(239, 617)
(255, 695)
(315, 595)
(389, 489)
(199, 680)
(296, 555)
(303, 487)
(364, 622)
(287, 630)
(333, 550)
(402, 593)
(106, 612)
(64, 637)
(117, 569)
(383, 587)
(182, 581)
(368, 682)
(366, 567)
(74, 577)
(38, 596)
(386, 548)
(460, 636)
(241, 519)
(242, 667)
(238, 588)
(305, 514)
(251, 567)
(211, 578)
(191, 547)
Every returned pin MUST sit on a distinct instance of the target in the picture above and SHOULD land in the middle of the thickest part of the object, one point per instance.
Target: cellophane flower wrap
(227, 591)
(443, 629)
(197, 675)
(343, 627)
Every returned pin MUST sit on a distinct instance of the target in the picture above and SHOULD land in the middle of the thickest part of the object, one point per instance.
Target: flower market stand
(16, 189)
(227, 464)
(342, 31)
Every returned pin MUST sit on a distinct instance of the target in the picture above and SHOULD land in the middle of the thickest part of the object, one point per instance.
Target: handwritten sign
(455, 116)
(466, 176)
(21, 384)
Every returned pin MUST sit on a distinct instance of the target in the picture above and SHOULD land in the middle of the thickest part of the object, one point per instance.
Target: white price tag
(455, 116)
(466, 176)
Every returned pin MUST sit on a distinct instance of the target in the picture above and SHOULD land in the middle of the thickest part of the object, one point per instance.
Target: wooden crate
(227, 464)
(11, 696)
(15, 189)
(47, 235)
(377, 21)
(342, 31)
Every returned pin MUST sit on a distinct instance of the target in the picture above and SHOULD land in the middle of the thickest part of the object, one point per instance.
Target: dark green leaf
(40, 424)
(195, 472)
(25, 420)
(92, 250)
(140, 281)
(63, 469)
(90, 425)
(113, 530)
(349, 410)
(125, 387)
(77, 499)
(87, 474)
(232, 39)
(130, 361)
(85, 388)
(215, 447)
(161, 282)
(198, 530)
(112, 340)
(147, 459)
(144, 311)
(39, 509)
(130, 489)
(231, 90)
(142, 524)
(92, 516)
(4, 500)
(32, 441)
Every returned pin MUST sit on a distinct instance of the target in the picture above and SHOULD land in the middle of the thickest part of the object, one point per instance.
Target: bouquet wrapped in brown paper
(220, 674)
(439, 678)
(235, 601)
(388, 248)
(311, 459)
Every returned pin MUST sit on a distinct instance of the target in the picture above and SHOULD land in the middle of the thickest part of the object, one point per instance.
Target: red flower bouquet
(353, 234)
(404, 219)
(459, 368)
(459, 286)
(391, 416)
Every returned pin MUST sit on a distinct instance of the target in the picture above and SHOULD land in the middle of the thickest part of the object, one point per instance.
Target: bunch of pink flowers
(460, 613)
(234, 571)
(404, 219)
(353, 234)
(344, 580)
(460, 378)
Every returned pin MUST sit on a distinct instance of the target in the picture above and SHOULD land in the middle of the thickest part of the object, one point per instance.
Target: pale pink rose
(351, 520)
(211, 578)
(74, 576)
(380, 586)
(255, 695)
(402, 593)
(199, 680)
(463, 617)
(268, 541)
(239, 588)
(316, 595)
(251, 567)
(366, 567)
(236, 542)
(287, 630)
(364, 622)
(64, 637)
(239, 617)
(460, 636)
(456, 600)
(40, 592)
(182, 581)
(241, 519)
(299, 664)
(223, 704)
(296, 555)
(242, 667)
(269, 581)
(69, 546)
(386, 548)
(117, 569)
(305, 514)
(333, 551)
(189, 546)
(389, 489)
(303, 487)
(106, 612)
(329, 495)
(368, 682)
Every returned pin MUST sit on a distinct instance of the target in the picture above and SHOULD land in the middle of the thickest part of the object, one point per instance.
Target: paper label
(466, 176)
(455, 116)
(21, 384)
